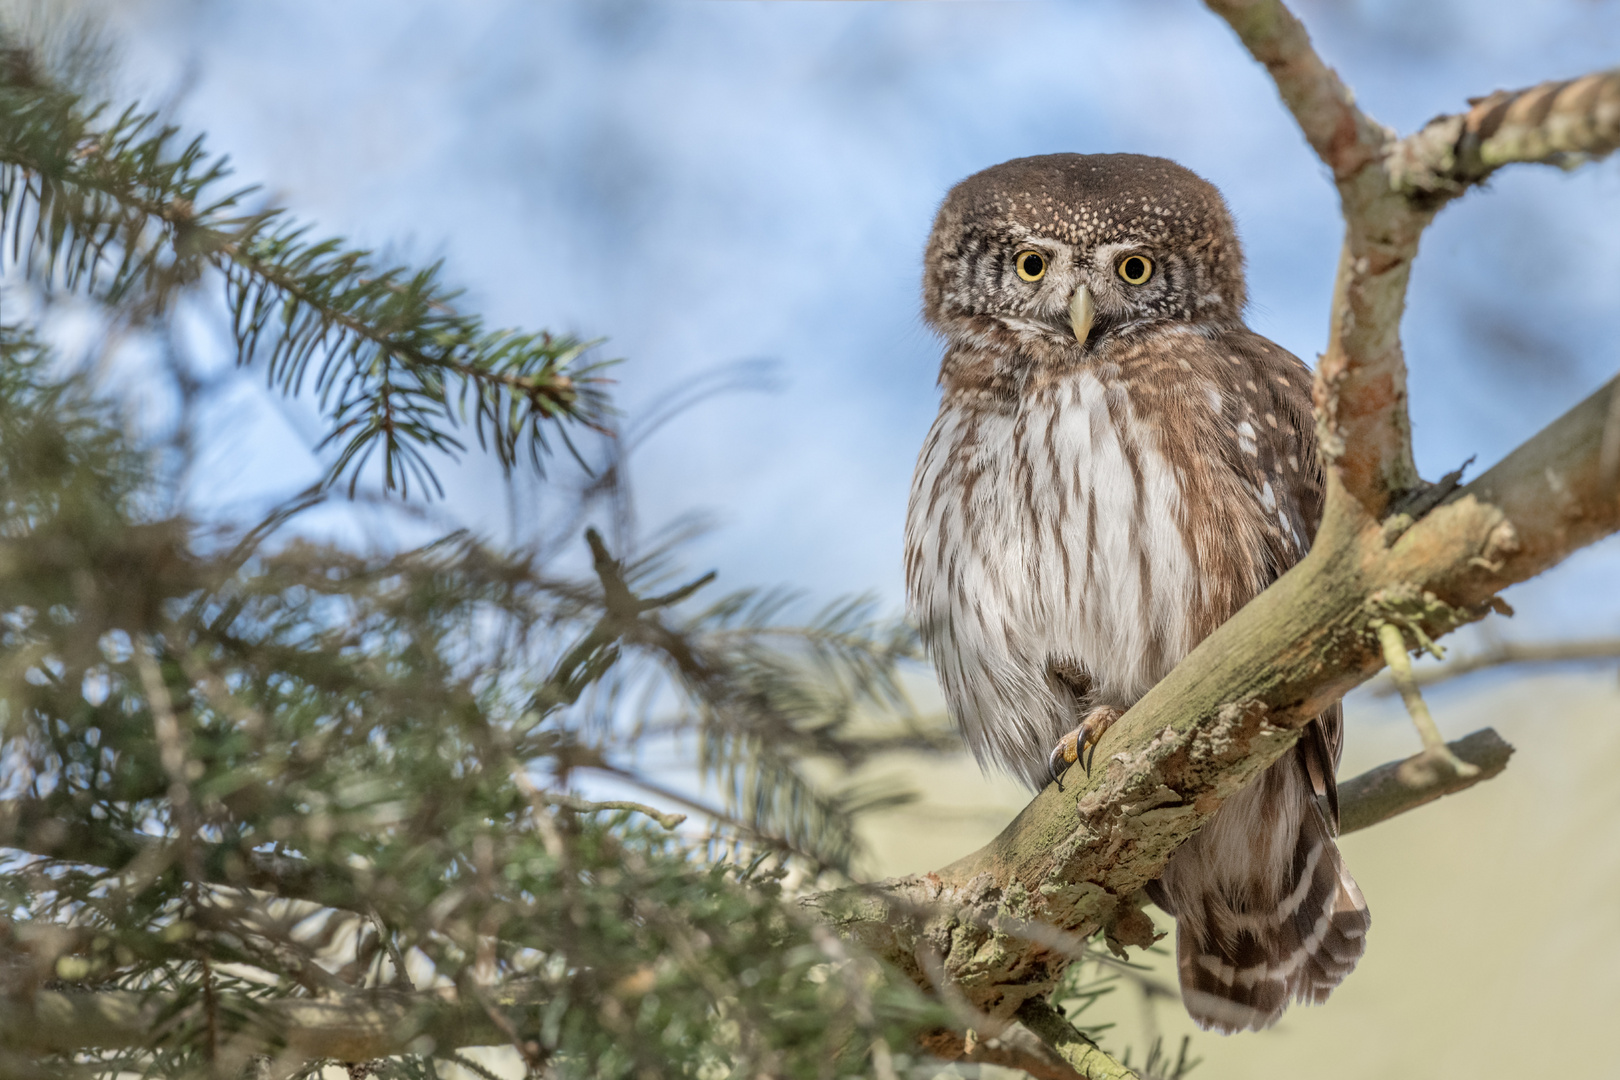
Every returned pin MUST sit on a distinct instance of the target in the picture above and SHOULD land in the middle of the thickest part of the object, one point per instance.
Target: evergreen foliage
(118, 207)
(247, 774)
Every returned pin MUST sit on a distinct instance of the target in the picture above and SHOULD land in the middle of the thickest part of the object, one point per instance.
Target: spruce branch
(334, 718)
(117, 207)
(350, 1027)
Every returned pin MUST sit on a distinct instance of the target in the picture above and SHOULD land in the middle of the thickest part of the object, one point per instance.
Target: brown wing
(1269, 390)
(1233, 411)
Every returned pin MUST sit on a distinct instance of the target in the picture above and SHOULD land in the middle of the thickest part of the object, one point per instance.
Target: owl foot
(1072, 747)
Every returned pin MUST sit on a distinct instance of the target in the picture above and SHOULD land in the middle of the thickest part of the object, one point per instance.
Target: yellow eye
(1135, 269)
(1031, 265)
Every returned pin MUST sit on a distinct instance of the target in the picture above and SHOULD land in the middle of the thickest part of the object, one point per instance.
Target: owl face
(1058, 256)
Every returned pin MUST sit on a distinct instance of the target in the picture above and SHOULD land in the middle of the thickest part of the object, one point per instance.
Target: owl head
(1055, 257)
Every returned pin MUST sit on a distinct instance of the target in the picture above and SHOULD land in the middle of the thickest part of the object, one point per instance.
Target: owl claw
(1073, 746)
(1064, 754)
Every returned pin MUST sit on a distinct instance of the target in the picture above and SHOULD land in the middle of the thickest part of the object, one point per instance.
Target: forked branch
(1390, 189)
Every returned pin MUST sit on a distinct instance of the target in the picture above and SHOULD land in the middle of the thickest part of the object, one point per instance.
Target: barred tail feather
(1287, 924)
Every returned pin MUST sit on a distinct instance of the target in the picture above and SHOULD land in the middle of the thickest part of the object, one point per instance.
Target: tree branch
(1343, 136)
(1362, 423)
(585, 806)
(1013, 1048)
(1565, 122)
(1552, 652)
(1379, 794)
(1070, 1043)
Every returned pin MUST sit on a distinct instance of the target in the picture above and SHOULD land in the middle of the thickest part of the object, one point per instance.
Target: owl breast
(1045, 552)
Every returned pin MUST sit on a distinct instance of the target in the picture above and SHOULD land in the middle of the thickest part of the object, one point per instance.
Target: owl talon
(1065, 753)
(1073, 746)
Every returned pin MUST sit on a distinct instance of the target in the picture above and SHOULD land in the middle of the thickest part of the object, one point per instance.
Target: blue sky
(710, 182)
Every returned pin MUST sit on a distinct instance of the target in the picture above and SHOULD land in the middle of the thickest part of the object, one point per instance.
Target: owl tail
(1242, 962)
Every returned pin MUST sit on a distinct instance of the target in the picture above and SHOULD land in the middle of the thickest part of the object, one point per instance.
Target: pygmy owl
(1118, 465)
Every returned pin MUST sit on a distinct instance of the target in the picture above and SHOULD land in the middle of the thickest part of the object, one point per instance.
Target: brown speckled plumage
(1086, 511)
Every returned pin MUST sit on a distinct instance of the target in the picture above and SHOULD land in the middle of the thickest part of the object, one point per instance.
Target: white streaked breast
(1048, 532)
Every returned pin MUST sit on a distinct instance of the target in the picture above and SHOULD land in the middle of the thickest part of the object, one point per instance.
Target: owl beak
(1081, 313)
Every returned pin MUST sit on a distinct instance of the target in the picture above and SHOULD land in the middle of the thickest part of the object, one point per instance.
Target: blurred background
(736, 195)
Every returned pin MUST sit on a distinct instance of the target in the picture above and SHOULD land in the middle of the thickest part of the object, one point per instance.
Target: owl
(1118, 465)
